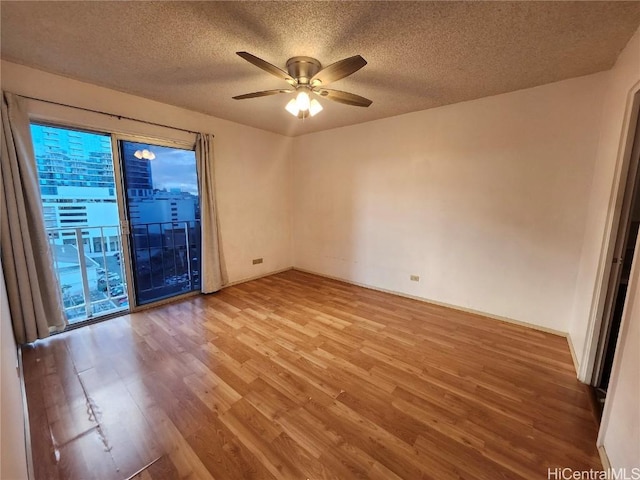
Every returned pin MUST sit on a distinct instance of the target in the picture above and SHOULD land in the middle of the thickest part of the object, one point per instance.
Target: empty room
(320, 240)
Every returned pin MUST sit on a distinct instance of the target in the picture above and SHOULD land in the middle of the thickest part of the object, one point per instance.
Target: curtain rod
(119, 117)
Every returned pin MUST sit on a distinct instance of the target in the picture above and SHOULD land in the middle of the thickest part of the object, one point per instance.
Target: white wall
(13, 460)
(486, 200)
(253, 168)
(600, 220)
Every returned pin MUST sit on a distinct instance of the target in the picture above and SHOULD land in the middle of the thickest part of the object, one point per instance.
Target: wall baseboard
(574, 357)
(440, 304)
(604, 458)
(244, 280)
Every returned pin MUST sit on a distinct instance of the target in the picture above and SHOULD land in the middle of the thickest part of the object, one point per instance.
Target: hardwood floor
(295, 376)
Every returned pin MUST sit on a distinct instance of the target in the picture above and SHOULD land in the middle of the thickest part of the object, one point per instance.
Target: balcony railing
(166, 259)
(90, 276)
(90, 270)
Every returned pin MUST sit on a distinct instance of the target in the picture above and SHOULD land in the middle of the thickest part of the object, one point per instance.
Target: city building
(77, 186)
(138, 172)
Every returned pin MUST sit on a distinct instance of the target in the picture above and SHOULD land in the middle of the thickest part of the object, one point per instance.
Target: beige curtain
(32, 287)
(214, 274)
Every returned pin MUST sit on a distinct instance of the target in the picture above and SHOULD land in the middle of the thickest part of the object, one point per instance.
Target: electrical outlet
(256, 261)
(414, 278)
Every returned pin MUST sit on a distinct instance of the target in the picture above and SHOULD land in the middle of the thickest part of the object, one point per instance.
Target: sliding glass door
(123, 219)
(161, 189)
(81, 214)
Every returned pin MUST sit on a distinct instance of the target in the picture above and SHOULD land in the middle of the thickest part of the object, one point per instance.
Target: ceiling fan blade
(343, 97)
(264, 93)
(336, 71)
(267, 67)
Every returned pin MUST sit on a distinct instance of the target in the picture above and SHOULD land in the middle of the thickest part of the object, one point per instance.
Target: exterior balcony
(91, 266)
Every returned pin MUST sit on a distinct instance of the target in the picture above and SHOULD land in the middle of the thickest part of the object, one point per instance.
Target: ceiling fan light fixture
(303, 101)
(292, 107)
(314, 107)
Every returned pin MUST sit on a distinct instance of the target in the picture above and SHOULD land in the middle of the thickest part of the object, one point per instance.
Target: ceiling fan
(305, 75)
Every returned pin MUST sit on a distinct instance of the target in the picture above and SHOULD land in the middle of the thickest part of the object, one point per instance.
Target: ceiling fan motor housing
(303, 68)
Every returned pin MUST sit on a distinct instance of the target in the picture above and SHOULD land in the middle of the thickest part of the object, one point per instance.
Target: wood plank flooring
(295, 376)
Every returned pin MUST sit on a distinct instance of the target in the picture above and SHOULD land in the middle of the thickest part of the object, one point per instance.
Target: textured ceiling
(421, 54)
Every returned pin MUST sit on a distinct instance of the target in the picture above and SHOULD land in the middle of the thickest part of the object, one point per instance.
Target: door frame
(599, 298)
(630, 186)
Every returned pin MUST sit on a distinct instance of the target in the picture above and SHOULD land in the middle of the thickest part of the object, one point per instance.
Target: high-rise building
(139, 179)
(77, 186)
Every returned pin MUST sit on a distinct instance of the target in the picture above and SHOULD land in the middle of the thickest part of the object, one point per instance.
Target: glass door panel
(80, 205)
(161, 187)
